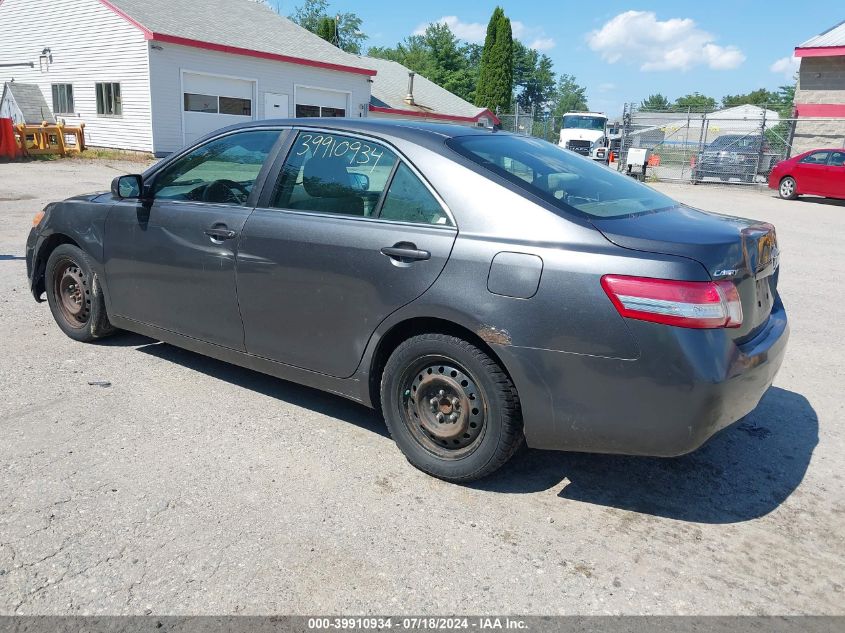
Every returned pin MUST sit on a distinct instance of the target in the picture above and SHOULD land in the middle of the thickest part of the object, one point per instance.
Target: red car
(819, 172)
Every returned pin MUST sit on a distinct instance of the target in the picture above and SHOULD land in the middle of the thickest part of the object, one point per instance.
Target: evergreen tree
(326, 30)
(495, 81)
(533, 77)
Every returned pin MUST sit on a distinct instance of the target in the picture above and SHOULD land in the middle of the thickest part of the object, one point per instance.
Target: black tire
(75, 296)
(787, 188)
(487, 428)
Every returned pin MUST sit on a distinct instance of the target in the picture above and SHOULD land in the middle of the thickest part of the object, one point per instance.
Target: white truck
(586, 134)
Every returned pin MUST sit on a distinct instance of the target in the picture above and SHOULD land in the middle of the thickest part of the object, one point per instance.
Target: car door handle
(220, 233)
(405, 252)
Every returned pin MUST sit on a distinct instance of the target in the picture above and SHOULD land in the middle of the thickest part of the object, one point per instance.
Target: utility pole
(336, 40)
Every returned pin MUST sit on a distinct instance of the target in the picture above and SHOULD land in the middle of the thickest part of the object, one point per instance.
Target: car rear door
(347, 233)
(170, 258)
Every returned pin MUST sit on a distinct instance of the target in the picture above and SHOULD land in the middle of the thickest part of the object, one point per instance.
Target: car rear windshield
(561, 177)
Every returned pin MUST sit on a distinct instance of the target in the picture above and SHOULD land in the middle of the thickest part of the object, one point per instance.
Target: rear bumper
(666, 403)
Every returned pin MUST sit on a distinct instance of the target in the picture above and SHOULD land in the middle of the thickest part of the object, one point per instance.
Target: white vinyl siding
(90, 44)
(172, 61)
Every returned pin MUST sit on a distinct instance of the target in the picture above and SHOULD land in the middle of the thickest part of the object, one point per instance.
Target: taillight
(693, 304)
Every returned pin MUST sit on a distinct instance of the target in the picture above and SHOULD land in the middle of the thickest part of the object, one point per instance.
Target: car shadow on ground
(832, 202)
(292, 393)
(744, 472)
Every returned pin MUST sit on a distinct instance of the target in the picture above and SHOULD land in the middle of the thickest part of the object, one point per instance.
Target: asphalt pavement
(188, 486)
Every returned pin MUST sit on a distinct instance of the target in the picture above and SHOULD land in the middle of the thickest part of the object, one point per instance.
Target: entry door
(324, 260)
(170, 259)
(276, 106)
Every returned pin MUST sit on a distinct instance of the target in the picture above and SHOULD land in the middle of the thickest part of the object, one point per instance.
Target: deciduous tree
(311, 14)
(655, 103)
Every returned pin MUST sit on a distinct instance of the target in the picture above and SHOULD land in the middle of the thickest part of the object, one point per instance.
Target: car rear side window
(409, 200)
(333, 173)
(816, 158)
(560, 177)
(222, 171)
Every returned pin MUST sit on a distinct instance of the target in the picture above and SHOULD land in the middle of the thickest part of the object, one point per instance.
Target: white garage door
(210, 102)
(316, 102)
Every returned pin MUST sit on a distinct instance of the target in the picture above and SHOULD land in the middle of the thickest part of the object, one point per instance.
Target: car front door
(170, 257)
(811, 172)
(834, 183)
(348, 234)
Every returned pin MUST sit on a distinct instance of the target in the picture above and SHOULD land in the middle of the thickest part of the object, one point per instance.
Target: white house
(398, 93)
(152, 75)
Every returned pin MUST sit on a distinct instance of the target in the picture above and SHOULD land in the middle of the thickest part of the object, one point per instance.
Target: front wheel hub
(443, 406)
(72, 293)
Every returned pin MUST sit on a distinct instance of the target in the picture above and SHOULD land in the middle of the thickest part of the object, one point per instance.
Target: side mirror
(360, 182)
(127, 186)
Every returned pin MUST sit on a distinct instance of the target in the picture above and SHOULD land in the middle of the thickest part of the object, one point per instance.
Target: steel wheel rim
(73, 296)
(787, 187)
(443, 407)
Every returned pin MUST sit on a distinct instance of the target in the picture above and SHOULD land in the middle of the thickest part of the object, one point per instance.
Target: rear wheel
(450, 408)
(74, 295)
(788, 189)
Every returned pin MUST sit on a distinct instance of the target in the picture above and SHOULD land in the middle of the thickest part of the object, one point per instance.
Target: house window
(304, 111)
(63, 99)
(108, 99)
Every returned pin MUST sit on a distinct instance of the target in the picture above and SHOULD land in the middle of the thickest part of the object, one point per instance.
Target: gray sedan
(483, 289)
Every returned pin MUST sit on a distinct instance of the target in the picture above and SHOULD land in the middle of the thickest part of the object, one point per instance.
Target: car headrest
(326, 177)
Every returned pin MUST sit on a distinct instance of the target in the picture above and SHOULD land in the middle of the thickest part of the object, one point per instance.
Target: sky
(623, 52)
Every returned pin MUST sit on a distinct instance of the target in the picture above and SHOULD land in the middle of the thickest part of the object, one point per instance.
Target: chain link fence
(737, 145)
(531, 123)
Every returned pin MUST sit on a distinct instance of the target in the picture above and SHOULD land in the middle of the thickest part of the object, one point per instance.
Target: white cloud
(475, 32)
(543, 44)
(469, 31)
(786, 66)
(607, 87)
(638, 37)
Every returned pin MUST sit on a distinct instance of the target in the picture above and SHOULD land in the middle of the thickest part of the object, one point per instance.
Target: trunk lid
(743, 251)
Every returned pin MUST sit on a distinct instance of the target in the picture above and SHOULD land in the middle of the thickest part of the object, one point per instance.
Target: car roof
(422, 132)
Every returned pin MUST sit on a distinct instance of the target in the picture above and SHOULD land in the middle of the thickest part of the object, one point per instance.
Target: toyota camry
(483, 289)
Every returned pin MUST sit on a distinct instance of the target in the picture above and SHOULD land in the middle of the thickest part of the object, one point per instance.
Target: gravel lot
(190, 486)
